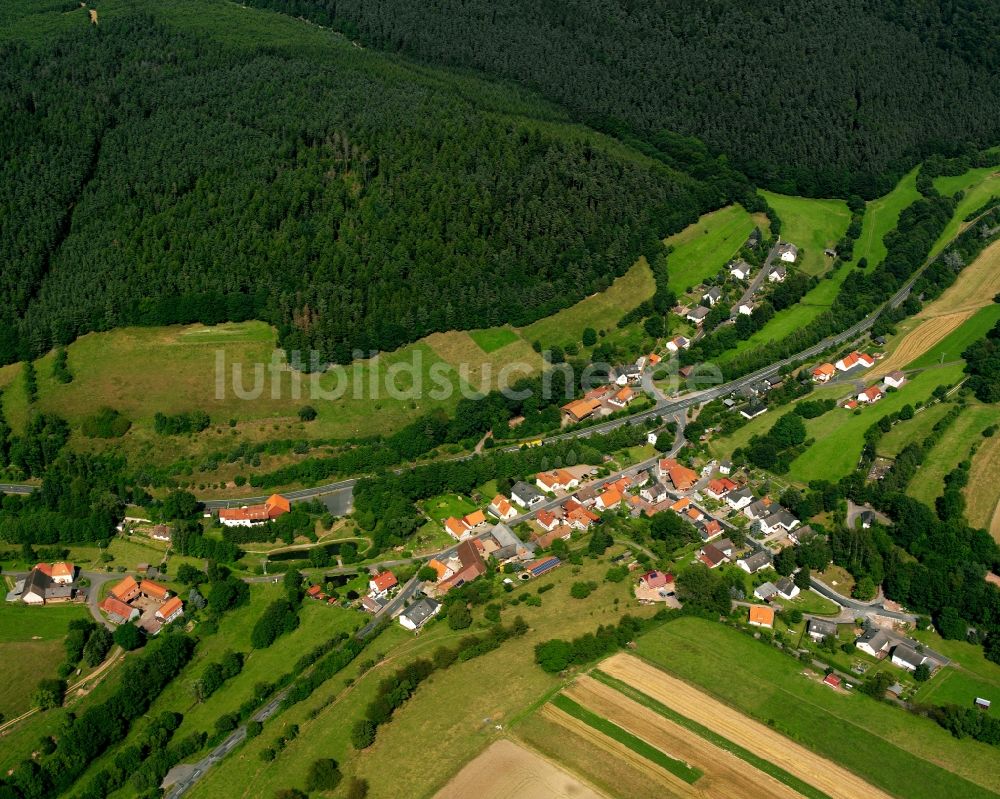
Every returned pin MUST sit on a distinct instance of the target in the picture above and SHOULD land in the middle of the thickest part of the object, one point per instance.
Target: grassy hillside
(881, 216)
(702, 249)
(812, 226)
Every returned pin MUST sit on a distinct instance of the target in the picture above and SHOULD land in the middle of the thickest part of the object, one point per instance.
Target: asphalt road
(863, 608)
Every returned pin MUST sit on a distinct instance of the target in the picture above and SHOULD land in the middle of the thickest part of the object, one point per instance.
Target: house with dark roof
(527, 496)
(765, 591)
(753, 410)
(697, 315)
(818, 629)
(873, 641)
(787, 589)
(712, 296)
(712, 556)
(419, 613)
(755, 562)
(906, 657)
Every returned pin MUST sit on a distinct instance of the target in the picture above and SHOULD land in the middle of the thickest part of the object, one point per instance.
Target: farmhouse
(501, 508)
(697, 315)
(126, 590)
(894, 380)
(456, 527)
(172, 609)
(578, 410)
(558, 531)
(525, 495)
(823, 372)
(906, 657)
(470, 566)
(419, 613)
(251, 515)
(755, 562)
(788, 253)
(152, 590)
(761, 616)
(871, 394)
(118, 612)
(682, 477)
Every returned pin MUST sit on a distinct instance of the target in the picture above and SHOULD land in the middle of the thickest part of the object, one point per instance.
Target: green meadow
(702, 249)
(881, 216)
(811, 225)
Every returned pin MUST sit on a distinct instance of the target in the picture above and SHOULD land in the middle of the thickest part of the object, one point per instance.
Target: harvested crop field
(975, 287)
(724, 773)
(923, 337)
(983, 509)
(828, 777)
(505, 770)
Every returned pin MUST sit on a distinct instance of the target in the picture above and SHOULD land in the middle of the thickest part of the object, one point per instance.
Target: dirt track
(505, 771)
(834, 780)
(724, 773)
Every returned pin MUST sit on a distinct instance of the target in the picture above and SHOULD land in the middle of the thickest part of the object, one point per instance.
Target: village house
(753, 240)
(870, 395)
(745, 308)
(818, 629)
(525, 495)
(709, 529)
(48, 583)
(654, 359)
(622, 398)
(502, 509)
(697, 315)
(848, 362)
(609, 499)
(371, 605)
(712, 296)
(725, 467)
(558, 531)
(725, 546)
(170, 610)
(419, 613)
(761, 616)
(788, 253)
(787, 589)
(681, 477)
(442, 570)
(739, 269)
(381, 584)
(712, 556)
(681, 505)
(694, 514)
(678, 343)
(766, 591)
(894, 380)
(252, 515)
(801, 534)
(823, 372)
(581, 518)
(474, 520)
(470, 566)
(753, 410)
(456, 527)
(161, 532)
(754, 563)
(657, 581)
(777, 274)
(719, 487)
(739, 499)
(873, 641)
(760, 509)
(779, 519)
(547, 520)
(654, 492)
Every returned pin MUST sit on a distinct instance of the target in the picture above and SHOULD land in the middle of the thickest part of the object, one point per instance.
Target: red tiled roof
(172, 605)
(384, 581)
(155, 590)
(125, 587)
(116, 607)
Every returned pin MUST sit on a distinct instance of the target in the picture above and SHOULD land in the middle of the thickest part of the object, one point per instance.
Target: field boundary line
(711, 736)
(641, 747)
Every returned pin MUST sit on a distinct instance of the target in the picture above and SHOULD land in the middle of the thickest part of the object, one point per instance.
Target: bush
(106, 423)
(581, 590)
(307, 413)
(324, 775)
(357, 788)
(362, 734)
(128, 637)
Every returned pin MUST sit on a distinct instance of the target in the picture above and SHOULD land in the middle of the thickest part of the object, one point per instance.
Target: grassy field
(953, 448)
(901, 753)
(599, 311)
(812, 226)
(969, 675)
(702, 249)
(441, 507)
(979, 185)
(493, 339)
(31, 649)
(881, 216)
(651, 753)
(810, 602)
(476, 699)
(913, 431)
(955, 343)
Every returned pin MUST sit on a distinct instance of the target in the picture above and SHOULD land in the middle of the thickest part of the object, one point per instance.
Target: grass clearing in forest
(812, 226)
(494, 338)
(702, 249)
(978, 185)
(881, 216)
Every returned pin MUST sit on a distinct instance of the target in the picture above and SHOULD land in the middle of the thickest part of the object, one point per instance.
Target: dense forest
(151, 175)
(817, 97)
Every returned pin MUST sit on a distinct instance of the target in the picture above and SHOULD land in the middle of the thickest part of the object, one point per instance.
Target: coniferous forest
(815, 97)
(155, 175)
